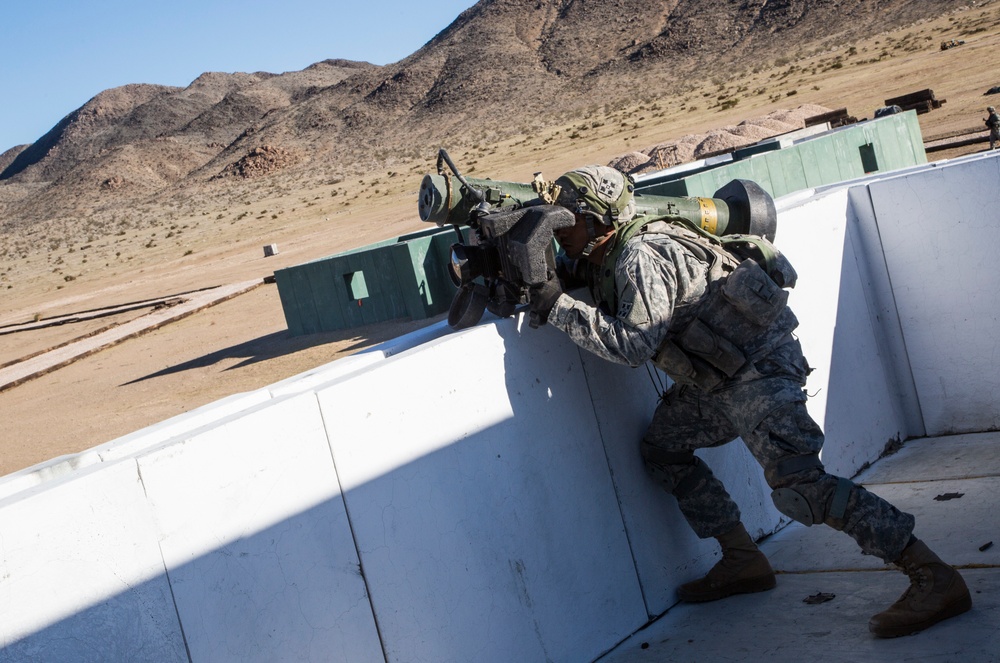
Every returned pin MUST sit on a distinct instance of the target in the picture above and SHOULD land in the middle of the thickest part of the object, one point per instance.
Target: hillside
(502, 68)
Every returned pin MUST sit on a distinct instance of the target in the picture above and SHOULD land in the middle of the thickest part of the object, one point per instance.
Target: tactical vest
(742, 316)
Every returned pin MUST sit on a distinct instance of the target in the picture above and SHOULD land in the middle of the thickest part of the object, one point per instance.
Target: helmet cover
(602, 190)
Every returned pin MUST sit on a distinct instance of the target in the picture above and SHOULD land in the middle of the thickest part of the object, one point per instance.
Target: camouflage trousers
(784, 439)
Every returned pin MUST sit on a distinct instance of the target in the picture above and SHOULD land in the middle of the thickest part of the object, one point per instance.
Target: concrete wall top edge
(218, 422)
(795, 199)
(798, 198)
(35, 475)
(180, 425)
(397, 352)
(27, 491)
(172, 431)
(345, 367)
(314, 378)
(414, 339)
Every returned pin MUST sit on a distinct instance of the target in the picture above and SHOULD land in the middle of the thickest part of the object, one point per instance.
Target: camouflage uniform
(659, 286)
(993, 124)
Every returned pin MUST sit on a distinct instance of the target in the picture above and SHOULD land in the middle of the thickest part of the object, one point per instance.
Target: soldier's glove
(541, 298)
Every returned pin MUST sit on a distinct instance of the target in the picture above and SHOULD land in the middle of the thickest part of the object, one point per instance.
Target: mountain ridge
(502, 67)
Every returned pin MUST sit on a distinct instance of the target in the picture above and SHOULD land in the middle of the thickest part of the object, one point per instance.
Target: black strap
(661, 456)
(838, 506)
(797, 464)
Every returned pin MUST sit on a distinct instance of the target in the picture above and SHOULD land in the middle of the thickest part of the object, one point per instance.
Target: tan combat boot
(743, 569)
(936, 592)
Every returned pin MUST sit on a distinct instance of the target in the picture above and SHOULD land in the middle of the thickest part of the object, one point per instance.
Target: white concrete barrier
(849, 389)
(482, 506)
(252, 530)
(479, 495)
(939, 229)
(82, 576)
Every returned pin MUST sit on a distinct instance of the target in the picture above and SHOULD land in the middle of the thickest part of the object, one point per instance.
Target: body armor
(740, 319)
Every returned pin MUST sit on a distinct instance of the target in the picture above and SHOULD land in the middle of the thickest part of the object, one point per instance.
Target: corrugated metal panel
(436, 268)
(793, 172)
(827, 158)
(289, 304)
(401, 277)
(323, 297)
(408, 280)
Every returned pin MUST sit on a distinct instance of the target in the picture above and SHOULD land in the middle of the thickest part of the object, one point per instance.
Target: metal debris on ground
(986, 546)
(948, 496)
(819, 597)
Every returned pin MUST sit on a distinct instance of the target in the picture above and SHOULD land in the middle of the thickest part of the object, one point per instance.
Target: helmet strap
(588, 218)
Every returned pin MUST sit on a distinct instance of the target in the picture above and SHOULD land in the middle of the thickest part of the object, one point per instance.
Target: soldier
(720, 328)
(993, 124)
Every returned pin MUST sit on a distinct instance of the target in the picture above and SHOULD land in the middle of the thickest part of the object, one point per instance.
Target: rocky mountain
(501, 67)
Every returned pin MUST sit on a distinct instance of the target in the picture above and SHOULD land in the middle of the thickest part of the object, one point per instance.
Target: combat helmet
(598, 192)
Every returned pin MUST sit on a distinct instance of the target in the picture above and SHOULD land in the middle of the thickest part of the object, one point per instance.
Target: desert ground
(243, 344)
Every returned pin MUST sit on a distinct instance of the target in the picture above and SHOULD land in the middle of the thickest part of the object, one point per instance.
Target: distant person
(721, 329)
(993, 123)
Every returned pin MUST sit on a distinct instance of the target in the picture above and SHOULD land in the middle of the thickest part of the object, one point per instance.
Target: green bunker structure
(408, 276)
(403, 277)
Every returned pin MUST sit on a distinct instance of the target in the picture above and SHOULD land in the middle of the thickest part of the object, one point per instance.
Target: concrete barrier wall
(849, 392)
(939, 231)
(475, 495)
(253, 533)
(82, 575)
(483, 510)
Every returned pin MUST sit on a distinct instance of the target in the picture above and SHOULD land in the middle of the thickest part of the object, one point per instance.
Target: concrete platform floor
(951, 484)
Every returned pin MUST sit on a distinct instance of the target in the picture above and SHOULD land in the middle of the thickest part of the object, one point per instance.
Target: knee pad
(808, 506)
(794, 504)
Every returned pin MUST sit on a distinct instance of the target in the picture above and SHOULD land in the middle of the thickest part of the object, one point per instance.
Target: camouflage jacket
(661, 288)
(653, 276)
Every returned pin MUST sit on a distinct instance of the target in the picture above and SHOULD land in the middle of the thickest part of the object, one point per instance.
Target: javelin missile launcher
(508, 245)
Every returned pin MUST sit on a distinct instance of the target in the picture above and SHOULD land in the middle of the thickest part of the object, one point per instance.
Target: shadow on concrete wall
(511, 578)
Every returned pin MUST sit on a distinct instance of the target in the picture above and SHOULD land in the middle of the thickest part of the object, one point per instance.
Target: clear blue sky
(57, 54)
